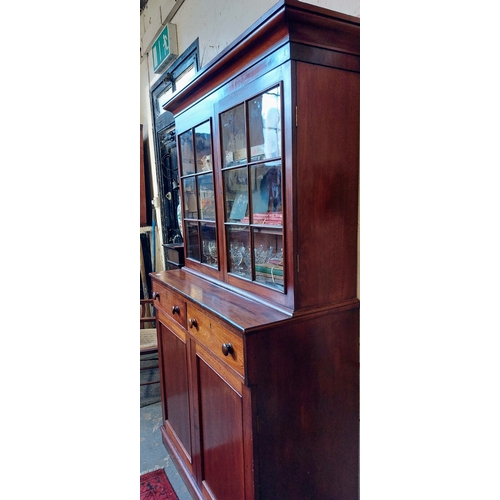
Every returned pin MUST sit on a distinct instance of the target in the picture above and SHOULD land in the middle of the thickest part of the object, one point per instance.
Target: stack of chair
(150, 376)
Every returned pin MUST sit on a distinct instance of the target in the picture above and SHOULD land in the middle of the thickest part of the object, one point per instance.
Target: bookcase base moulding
(258, 332)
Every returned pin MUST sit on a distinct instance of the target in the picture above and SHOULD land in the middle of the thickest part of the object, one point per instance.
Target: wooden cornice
(288, 21)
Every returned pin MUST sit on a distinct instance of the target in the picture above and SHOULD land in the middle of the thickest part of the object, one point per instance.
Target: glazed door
(252, 182)
(221, 432)
(173, 352)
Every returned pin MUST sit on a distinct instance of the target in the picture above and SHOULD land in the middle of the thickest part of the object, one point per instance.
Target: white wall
(216, 24)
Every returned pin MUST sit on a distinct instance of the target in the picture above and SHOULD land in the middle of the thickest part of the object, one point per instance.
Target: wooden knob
(156, 295)
(176, 310)
(227, 349)
(192, 322)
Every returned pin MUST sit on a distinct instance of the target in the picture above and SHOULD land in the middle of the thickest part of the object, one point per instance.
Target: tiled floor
(154, 454)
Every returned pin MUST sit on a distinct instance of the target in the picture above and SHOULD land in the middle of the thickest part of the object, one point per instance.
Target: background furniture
(163, 137)
(149, 372)
(175, 255)
(258, 334)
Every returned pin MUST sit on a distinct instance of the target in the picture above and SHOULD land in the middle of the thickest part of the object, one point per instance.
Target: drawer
(223, 343)
(170, 303)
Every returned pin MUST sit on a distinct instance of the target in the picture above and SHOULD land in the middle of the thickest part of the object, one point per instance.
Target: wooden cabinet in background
(175, 255)
(259, 331)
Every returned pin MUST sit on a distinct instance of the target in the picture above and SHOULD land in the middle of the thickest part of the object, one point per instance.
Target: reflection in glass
(268, 257)
(264, 113)
(184, 78)
(236, 194)
(203, 143)
(206, 196)
(187, 153)
(233, 131)
(266, 193)
(192, 241)
(189, 196)
(162, 99)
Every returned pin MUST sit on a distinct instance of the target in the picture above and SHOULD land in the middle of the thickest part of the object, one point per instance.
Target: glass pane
(264, 114)
(208, 244)
(187, 153)
(207, 198)
(233, 136)
(180, 82)
(192, 241)
(236, 194)
(162, 99)
(203, 143)
(266, 194)
(268, 255)
(189, 194)
(256, 129)
(184, 78)
(239, 257)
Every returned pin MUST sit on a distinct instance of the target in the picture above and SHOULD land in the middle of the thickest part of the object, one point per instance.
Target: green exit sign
(164, 48)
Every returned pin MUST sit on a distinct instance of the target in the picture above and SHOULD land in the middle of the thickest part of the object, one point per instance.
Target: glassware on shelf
(212, 249)
(206, 252)
(236, 252)
(269, 254)
(247, 260)
(260, 255)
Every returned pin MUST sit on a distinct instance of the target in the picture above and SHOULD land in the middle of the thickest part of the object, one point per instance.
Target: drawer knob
(227, 349)
(156, 295)
(176, 310)
(193, 322)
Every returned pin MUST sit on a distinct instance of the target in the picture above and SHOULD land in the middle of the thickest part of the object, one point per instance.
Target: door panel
(221, 415)
(176, 395)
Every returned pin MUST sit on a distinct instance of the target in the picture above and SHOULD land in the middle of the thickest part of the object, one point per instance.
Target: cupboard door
(221, 429)
(174, 362)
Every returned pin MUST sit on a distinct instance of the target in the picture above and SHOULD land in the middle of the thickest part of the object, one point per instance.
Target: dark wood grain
(175, 388)
(307, 402)
(327, 203)
(320, 29)
(221, 436)
(172, 305)
(213, 335)
(324, 57)
(241, 313)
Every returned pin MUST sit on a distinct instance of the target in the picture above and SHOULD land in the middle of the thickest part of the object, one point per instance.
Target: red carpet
(156, 486)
